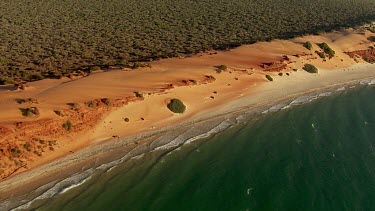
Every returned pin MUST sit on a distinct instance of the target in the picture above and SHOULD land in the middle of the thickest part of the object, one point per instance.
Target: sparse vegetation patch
(27, 146)
(106, 101)
(27, 100)
(68, 125)
(221, 68)
(58, 112)
(91, 104)
(30, 111)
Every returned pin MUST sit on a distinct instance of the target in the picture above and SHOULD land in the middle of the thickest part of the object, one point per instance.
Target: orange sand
(243, 83)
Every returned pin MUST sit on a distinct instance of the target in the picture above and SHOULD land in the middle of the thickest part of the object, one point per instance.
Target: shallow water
(316, 156)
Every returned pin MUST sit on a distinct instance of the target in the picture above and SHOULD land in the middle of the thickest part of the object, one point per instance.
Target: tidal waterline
(317, 156)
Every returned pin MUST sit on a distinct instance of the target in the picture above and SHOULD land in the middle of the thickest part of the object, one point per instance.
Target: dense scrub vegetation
(51, 38)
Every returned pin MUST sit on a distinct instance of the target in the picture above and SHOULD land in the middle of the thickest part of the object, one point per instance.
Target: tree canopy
(51, 38)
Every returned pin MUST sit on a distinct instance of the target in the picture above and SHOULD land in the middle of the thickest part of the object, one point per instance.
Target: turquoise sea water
(316, 156)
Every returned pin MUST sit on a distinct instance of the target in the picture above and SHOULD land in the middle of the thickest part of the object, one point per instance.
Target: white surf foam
(60, 187)
(74, 186)
(221, 127)
(340, 89)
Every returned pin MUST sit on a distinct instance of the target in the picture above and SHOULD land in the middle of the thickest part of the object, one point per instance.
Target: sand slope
(193, 80)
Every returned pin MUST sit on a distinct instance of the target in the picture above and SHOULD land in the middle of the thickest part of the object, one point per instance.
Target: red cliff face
(24, 142)
(274, 66)
(367, 55)
(29, 140)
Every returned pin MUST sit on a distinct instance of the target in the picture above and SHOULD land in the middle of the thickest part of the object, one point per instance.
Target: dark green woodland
(51, 38)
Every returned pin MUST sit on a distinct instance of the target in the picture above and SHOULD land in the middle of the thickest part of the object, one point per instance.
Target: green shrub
(369, 60)
(328, 50)
(27, 146)
(138, 95)
(269, 77)
(91, 104)
(4, 81)
(176, 106)
(27, 100)
(68, 125)
(106, 101)
(221, 68)
(38, 153)
(137, 65)
(25, 112)
(308, 45)
(321, 55)
(58, 112)
(94, 68)
(15, 152)
(310, 68)
(36, 77)
(29, 111)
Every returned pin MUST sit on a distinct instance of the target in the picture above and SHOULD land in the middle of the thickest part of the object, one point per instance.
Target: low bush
(106, 101)
(137, 65)
(321, 55)
(27, 146)
(94, 68)
(4, 81)
(15, 152)
(176, 106)
(91, 104)
(369, 60)
(138, 95)
(29, 111)
(27, 100)
(308, 45)
(328, 50)
(269, 77)
(58, 112)
(310, 68)
(68, 125)
(221, 68)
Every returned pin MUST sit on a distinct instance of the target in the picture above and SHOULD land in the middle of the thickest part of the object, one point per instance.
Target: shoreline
(128, 114)
(112, 150)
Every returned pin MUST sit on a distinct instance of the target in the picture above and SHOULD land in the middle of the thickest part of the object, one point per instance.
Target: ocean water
(315, 156)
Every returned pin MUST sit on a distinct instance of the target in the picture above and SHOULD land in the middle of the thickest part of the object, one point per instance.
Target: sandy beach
(99, 133)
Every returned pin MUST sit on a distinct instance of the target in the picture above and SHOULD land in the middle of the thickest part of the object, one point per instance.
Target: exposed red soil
(23, 142)
(367, 55)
